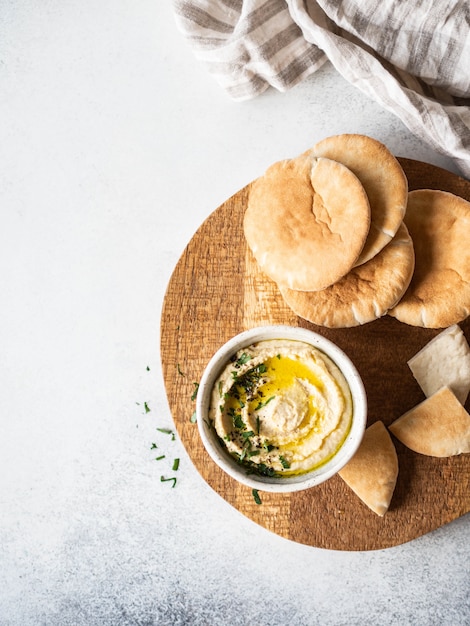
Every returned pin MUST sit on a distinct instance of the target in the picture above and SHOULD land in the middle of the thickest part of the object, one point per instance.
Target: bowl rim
(226, 462)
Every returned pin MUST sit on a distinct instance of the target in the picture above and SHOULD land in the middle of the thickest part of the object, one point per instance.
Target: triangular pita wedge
(373, 470)
(444, 361)
(306, 222)
(438, 426)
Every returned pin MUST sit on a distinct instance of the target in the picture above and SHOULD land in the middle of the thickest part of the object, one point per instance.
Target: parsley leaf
(165, 480)
(244, 358)
(167, 431)
(196, 388)
(260, 405)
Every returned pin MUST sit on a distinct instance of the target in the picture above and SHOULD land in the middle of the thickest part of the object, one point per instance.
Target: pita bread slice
(444, 361)
(382, 177)
(439, 292)
(439, 426)
(306, 222)
(366, 293)
(372, 472)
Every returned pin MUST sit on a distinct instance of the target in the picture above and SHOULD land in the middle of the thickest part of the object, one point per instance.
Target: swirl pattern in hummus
(281, 407)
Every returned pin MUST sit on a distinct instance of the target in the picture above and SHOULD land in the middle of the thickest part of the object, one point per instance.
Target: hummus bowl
(281, 408)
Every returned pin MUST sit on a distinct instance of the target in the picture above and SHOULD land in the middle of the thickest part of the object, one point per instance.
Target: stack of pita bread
(346, 243)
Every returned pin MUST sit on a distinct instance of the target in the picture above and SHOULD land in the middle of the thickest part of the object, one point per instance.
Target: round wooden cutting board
(217, 291)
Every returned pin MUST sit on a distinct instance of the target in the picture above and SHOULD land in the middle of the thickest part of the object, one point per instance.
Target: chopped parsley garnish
(264, 470)
(167, 431)
(243, 359)
(146, 407)
(196, 388)
(237, 419)
(256, 496)
(153, 446)
(176, 464)
(262, 404)
(249, 381)
(159, 458)
(166, 480)
(240, 404)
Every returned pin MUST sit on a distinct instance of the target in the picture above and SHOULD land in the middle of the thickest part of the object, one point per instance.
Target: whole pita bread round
(306, 222)
(382, 177)
(366, 293)
(372, 472)
(439, 292)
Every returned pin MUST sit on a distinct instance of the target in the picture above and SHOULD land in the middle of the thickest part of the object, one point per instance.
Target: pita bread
(366, 293)
(438, 426)
(372, 472)
(444, 361)
(383, 179)
(306, 222)
(439, 293)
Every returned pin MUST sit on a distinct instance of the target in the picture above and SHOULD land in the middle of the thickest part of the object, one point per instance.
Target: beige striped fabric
(411, 57)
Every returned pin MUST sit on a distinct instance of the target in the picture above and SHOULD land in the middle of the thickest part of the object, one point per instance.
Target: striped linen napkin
(411, 57)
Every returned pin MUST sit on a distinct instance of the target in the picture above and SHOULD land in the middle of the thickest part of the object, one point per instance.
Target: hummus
(281, 407)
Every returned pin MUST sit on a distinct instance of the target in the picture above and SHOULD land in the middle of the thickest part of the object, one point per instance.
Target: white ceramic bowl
(292, 483)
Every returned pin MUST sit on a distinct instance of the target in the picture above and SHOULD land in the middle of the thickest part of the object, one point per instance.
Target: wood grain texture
(217, 291)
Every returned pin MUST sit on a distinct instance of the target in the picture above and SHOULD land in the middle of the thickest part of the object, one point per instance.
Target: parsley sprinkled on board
(256, 496)
(146, 407)
(196, 388)
(176, 464)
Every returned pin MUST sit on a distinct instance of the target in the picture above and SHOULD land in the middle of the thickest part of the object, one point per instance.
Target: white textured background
(115, 144)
